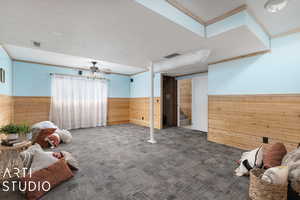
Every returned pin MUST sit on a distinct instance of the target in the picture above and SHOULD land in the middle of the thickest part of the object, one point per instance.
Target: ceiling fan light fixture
(94, 69)
(274, 6)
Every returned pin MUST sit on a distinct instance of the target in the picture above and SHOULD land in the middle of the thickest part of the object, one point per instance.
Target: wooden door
(169, 101)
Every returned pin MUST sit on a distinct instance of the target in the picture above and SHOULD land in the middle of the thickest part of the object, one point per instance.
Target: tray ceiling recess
(234, 34)
(138, 31)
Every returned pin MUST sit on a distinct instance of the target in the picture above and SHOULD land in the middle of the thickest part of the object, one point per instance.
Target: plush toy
(64, 135)
(250, 160)
(276, 175)
(292, 160)
(53, 139)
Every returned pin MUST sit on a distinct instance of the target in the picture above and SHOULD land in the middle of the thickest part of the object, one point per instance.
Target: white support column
(151, 105)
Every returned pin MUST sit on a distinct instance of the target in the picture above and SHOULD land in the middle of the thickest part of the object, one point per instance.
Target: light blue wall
(258, 30)
(119, 86)
(227, 24)
(277, 72)
(34, 80)
(140, 86)
(6, 64)
(241, 19)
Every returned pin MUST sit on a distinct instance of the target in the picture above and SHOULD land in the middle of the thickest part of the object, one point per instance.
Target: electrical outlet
(265, 140)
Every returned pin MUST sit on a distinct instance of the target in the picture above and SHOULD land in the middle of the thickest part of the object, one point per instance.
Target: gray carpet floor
(117, 164)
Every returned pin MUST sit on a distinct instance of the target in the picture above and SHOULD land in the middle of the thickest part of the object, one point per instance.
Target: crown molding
(290, 32)
(227, 14)
(240, 57)
(190, 74)
(180, 7)
(3, 47)
(186, 11)
(138, 73)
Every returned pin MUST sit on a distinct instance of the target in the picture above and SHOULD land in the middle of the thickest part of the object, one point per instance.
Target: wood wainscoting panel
(31, 110)
(118, 111)
(6, 110)
(185, 99)
(139, 111)
(242, 121)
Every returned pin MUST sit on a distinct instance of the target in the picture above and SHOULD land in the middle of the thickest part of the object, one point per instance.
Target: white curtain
(78, 102)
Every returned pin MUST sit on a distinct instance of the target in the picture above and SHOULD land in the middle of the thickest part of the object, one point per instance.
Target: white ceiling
(209, 9)
(123, 31)
(275, 23)
(118, 31)
(39, 56)
(189, 69)
(224, 46)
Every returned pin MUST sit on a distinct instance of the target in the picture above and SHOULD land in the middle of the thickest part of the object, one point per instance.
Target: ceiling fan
(94, 69)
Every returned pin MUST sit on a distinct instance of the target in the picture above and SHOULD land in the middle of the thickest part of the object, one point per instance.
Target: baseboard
(143, 123)
(117, 123)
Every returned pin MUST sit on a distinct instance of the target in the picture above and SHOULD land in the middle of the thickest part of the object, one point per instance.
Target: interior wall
(6, 109)
(32, 93)
(139, 99)
(243, 120)
(273, 73)
(200, 102)
(128, 101)
(140, 85)
(6, 103)
(31, 109)
(35, 80)
(257, 96)
(139, 111)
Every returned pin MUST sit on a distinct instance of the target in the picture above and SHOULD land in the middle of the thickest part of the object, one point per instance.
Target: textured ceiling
(275, 23)
(209, 9)
(125, 32)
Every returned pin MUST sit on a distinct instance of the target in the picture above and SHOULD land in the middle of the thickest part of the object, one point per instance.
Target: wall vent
(36, 44)
(172, 55)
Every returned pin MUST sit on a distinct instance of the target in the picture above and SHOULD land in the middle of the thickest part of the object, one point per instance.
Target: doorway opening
(193, 102)
(169, 101)
(185, 102)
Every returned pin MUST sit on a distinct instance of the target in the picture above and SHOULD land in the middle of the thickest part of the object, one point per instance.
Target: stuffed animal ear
(259, 157)
(247, 165)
